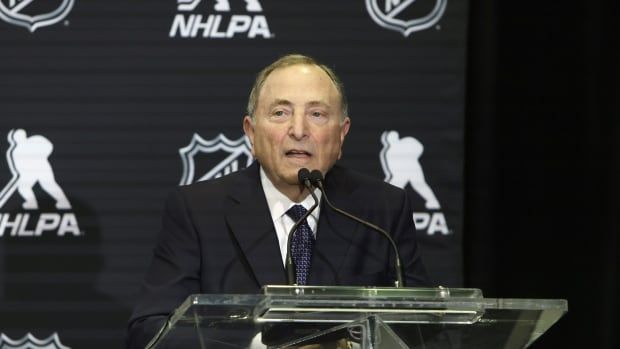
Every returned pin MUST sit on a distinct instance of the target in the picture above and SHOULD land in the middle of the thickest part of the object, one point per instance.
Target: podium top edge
(372, 291)
(447, 296)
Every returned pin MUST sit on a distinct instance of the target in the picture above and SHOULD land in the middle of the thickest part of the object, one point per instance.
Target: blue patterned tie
(301, 245)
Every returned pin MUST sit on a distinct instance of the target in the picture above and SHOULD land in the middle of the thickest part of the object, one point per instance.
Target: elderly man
(229, 235)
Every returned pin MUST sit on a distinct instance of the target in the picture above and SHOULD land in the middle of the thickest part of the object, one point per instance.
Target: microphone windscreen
(316, 176)
(303, 175)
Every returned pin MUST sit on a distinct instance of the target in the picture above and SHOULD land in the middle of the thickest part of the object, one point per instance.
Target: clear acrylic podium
(336, 317)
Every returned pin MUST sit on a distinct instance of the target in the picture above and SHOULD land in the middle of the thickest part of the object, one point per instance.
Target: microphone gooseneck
(316, 177)
(304, 178)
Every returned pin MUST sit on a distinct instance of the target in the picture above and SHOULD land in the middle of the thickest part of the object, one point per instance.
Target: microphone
(304, 178)
(316, 177)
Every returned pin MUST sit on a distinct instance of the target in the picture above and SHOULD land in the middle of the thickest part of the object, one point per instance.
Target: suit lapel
(249, 219)
(335, 232)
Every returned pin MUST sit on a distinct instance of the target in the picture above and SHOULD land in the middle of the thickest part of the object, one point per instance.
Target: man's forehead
(298, 74)
(300, 70)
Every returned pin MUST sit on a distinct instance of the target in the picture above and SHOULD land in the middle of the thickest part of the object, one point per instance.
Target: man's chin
(292, 178)
(288, 176)
(289, 173)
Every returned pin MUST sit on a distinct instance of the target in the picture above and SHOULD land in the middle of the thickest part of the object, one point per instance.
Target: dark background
(541, 166)
(118, 98)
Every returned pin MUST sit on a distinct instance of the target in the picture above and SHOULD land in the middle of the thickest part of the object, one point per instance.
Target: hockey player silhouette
(400, 159)
(28, 159)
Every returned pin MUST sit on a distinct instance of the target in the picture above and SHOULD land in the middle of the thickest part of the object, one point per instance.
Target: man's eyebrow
(277, 102)
(317, 104)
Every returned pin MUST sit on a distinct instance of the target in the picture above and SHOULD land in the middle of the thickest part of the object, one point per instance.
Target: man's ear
(344, 129)
(248, 128)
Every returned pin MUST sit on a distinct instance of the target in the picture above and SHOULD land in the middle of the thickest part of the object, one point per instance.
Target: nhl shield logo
(34, 14)
(31, 342)
(207, 159)
(405, 16)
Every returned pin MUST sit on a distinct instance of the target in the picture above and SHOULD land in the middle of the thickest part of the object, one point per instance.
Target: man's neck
(296, 193)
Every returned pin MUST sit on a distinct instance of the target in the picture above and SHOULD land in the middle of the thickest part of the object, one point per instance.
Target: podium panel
(354, 317)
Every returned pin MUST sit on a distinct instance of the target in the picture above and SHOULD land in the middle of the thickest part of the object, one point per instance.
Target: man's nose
(298, 128)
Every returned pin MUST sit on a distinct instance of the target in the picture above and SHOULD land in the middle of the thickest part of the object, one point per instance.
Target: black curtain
(542, 130)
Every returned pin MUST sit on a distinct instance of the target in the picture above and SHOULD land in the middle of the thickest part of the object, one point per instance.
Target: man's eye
(279, 113)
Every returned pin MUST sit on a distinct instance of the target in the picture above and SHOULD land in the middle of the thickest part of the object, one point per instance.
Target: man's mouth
(298, 153)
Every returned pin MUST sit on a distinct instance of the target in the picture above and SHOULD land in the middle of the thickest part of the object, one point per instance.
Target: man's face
(297, 124)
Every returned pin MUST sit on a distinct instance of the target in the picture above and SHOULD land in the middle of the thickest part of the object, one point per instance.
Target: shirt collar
(280, 203)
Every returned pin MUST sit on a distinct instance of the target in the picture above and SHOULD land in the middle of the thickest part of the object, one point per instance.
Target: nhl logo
(214, 158)
(404, 16)
(31, 342)
(34, 14)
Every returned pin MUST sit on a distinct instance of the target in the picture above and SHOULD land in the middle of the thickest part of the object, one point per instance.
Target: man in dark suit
(229, 235)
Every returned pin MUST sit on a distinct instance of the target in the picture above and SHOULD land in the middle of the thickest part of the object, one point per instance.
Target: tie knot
(296, 212)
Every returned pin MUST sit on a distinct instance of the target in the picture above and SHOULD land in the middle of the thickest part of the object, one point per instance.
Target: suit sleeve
(414, 273)
(173, 275)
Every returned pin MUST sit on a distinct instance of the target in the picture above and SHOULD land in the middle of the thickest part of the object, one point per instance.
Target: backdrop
(106, 106)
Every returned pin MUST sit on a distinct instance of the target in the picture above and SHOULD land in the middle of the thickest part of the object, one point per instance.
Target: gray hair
(287, 61)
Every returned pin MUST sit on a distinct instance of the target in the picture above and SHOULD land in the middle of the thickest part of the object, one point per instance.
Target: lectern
(337, 317)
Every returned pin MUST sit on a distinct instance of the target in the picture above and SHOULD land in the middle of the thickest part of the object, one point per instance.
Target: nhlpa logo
(31, 342)
(404, 16)
(214, 158)
(28, 161)
(29, 164)
(246, 19)
(400, 160)
(34, 14)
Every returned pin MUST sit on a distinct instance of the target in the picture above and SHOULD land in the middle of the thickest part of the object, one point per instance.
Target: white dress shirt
(278, 205)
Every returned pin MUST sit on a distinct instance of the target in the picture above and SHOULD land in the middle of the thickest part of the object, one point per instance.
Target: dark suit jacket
(218, 237)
